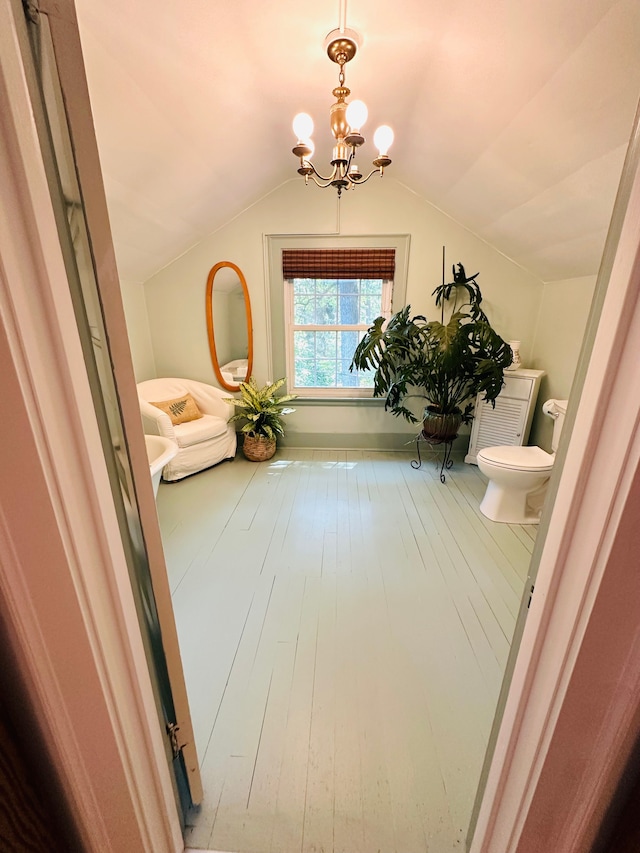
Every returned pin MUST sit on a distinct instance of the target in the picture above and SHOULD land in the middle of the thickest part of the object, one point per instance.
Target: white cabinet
(510, 421)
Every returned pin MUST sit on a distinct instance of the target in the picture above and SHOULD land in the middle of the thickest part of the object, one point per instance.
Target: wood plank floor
(344, 622)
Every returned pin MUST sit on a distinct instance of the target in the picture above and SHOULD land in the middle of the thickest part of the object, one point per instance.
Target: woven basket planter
(258, 448)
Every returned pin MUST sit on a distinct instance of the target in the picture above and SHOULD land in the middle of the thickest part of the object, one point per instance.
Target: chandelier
(346, 122)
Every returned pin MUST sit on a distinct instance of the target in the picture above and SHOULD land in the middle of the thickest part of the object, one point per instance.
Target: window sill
(339, 401)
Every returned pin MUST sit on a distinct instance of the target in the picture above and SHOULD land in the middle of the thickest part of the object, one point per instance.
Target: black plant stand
(447, 460)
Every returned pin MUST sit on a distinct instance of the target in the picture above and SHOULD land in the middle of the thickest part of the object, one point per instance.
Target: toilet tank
(559, 408)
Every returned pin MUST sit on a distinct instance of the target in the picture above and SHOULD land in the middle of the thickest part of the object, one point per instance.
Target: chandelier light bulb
(357, 113)
(383, 138)
(311, 148)
(303, 126)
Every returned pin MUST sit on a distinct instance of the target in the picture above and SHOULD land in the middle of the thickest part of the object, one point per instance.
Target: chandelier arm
(322, 177)
(375, 171)
(318, 183)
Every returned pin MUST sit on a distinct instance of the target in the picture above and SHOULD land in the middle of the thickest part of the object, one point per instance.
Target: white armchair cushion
(202, 429)
(210, 400)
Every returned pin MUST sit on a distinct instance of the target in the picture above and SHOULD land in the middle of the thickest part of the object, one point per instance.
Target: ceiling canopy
(512, 118)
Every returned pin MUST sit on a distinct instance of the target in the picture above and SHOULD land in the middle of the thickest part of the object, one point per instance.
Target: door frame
(72, 615)
(66, 599)
(571, 716)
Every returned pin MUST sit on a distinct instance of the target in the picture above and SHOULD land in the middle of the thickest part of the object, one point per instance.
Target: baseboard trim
(363, 441)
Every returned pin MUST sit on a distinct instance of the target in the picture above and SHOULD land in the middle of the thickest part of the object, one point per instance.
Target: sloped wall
(175, 296)
(562, 320)
(136, 317)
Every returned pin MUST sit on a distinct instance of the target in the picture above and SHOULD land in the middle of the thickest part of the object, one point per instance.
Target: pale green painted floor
(344, 622)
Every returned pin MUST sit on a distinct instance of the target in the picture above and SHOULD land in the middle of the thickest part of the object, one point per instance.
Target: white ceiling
(512, 116)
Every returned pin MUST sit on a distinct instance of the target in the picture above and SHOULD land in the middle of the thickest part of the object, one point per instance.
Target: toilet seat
(518, 458)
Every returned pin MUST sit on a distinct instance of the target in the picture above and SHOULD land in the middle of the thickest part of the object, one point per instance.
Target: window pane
(345, 378)
(304, 285)
(326, 285)
(304, 344)
(347, 343)
(326, 373)
(326, 344)
(365, 379)
(326, 310)
(349, 285)
(305, 373)
(370, 308)
(305, 310)
(348, 308)
(371, 286)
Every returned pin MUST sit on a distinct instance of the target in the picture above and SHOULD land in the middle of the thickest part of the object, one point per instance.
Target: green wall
(175, 296)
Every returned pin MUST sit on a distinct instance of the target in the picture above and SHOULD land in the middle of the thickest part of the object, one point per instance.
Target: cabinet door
(502, 425)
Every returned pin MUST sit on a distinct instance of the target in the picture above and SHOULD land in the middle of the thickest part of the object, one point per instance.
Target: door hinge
(32, 10)
(530, 596)
(176, 746)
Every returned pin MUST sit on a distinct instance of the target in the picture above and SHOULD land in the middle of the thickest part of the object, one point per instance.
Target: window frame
(278, 307)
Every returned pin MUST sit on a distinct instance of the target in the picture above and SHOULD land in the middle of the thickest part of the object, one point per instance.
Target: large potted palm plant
(447, 362)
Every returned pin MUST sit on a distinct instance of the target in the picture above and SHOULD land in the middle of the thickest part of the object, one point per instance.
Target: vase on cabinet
(516, 364)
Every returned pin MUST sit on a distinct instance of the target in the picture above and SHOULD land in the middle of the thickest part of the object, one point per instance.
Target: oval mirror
(229, 325)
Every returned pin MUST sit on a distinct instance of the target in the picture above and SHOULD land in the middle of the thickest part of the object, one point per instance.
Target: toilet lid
(531, 458)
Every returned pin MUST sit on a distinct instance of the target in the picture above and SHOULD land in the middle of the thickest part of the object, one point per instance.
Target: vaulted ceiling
(511, 116)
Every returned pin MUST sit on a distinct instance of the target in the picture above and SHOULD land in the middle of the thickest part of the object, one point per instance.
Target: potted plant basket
(263, 413)
(447, 362)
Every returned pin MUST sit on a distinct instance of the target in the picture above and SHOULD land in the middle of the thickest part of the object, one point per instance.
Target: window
(332, 297)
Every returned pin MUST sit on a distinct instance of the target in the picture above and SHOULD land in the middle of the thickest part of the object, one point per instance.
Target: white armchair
(202, 442)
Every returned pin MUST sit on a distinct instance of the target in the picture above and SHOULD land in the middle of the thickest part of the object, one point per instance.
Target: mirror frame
(209, 307)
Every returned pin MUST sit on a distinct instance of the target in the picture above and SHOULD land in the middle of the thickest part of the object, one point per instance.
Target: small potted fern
(263, 413)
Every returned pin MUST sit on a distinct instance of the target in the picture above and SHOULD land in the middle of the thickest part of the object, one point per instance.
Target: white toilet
(518, 475)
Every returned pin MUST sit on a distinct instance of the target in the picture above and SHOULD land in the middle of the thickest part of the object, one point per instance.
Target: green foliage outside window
(322, 358)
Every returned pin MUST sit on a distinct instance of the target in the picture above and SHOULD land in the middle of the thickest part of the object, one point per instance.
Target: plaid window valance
(338, 263)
